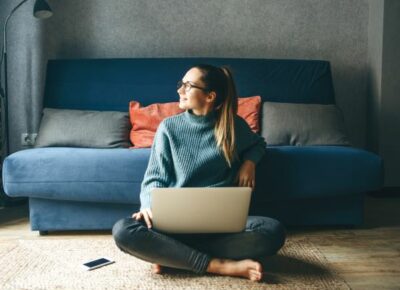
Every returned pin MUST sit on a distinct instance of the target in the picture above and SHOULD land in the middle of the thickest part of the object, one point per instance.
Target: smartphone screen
(97, 262)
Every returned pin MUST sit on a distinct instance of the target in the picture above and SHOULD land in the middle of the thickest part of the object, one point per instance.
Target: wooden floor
(366, 257)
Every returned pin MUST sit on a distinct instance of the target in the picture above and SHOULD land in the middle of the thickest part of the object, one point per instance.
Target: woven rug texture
(54, 263)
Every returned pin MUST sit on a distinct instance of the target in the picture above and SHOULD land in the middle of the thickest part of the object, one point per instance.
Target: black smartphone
(94, 264)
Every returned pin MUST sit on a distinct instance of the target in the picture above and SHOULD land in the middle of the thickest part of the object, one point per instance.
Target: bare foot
(157, 269)
(245, 268)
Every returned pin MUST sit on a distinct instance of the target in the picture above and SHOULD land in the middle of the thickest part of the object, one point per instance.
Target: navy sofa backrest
(109, 84)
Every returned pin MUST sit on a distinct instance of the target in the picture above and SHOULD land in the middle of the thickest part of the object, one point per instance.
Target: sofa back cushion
(109, 84)
(303, 124)
(77, 128)
(250, 109)
(145, 120)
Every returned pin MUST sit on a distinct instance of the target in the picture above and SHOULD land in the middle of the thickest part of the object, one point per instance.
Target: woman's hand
(146, 214)
(247, 174)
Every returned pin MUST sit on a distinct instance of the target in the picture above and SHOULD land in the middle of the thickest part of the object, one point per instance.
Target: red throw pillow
(145, 120)
(249, 109)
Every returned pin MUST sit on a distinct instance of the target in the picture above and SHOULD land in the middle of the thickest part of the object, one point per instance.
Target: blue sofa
(90, 189)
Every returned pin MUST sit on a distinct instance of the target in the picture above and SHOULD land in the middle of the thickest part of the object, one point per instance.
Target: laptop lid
(200, 209)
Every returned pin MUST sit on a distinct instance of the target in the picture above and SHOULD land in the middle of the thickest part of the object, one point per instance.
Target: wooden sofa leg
(43, 233)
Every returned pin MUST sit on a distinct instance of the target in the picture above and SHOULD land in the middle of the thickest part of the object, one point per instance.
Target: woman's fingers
(247, 183)
(149, 213)
(137, 216)
(147, 219)
(146, 214)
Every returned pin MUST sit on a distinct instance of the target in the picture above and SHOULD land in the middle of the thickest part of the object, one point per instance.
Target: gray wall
(384, 86)
(337, 31)
(390, 98)
(375, 43)
(309, 29)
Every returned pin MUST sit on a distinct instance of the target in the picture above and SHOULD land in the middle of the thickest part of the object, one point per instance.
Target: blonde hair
(220, 80)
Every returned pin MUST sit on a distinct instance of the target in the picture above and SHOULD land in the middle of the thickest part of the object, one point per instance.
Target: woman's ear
(211, 97)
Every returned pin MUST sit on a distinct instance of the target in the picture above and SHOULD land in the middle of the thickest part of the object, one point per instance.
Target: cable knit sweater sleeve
(251, 146)
(160, 171)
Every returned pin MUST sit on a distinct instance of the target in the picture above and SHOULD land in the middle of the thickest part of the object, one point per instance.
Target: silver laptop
(200, 209)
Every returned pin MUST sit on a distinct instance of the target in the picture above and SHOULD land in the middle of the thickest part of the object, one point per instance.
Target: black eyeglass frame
(181, 83)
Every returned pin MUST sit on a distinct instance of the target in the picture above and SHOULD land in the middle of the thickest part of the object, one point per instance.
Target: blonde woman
(208, 145)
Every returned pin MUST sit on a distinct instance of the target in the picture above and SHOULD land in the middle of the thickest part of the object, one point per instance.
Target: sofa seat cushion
(76, 174)
(296, 172)
(115, 175)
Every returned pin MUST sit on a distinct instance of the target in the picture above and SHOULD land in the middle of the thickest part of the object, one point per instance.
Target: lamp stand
(5, 148)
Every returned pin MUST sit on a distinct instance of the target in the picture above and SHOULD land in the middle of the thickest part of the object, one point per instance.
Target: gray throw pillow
(77, 128)
(302, 124)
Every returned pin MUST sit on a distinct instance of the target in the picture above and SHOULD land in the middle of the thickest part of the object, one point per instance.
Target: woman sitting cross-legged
(208, 145)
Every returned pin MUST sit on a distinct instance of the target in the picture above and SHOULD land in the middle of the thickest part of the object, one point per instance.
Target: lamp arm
(4, 50)
(5, 25)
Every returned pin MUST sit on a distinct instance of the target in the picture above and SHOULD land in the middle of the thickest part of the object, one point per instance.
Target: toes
(254, 278)
(156, 268)
(259, 267)
(256, 265)
(255, 275)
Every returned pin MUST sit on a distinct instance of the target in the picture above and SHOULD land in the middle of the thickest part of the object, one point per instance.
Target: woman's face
(195, 99)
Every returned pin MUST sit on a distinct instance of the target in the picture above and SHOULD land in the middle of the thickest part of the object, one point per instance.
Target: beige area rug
(53, 263)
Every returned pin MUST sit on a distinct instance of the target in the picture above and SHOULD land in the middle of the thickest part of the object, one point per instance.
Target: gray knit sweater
(185, 154)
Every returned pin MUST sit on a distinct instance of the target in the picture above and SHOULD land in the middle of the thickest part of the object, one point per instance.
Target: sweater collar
(202, 119)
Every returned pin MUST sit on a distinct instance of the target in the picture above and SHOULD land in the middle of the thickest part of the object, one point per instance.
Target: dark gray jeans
(262, 237)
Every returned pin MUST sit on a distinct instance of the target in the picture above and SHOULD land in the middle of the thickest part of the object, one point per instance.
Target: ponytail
(220, 80)
(225, 125)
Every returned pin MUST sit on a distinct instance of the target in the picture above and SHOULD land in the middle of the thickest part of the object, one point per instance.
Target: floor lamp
(41, 10)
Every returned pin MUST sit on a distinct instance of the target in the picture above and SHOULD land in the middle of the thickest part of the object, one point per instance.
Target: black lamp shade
(42, 9)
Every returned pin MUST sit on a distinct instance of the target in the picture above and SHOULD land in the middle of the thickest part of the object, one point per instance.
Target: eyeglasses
(187, 86)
